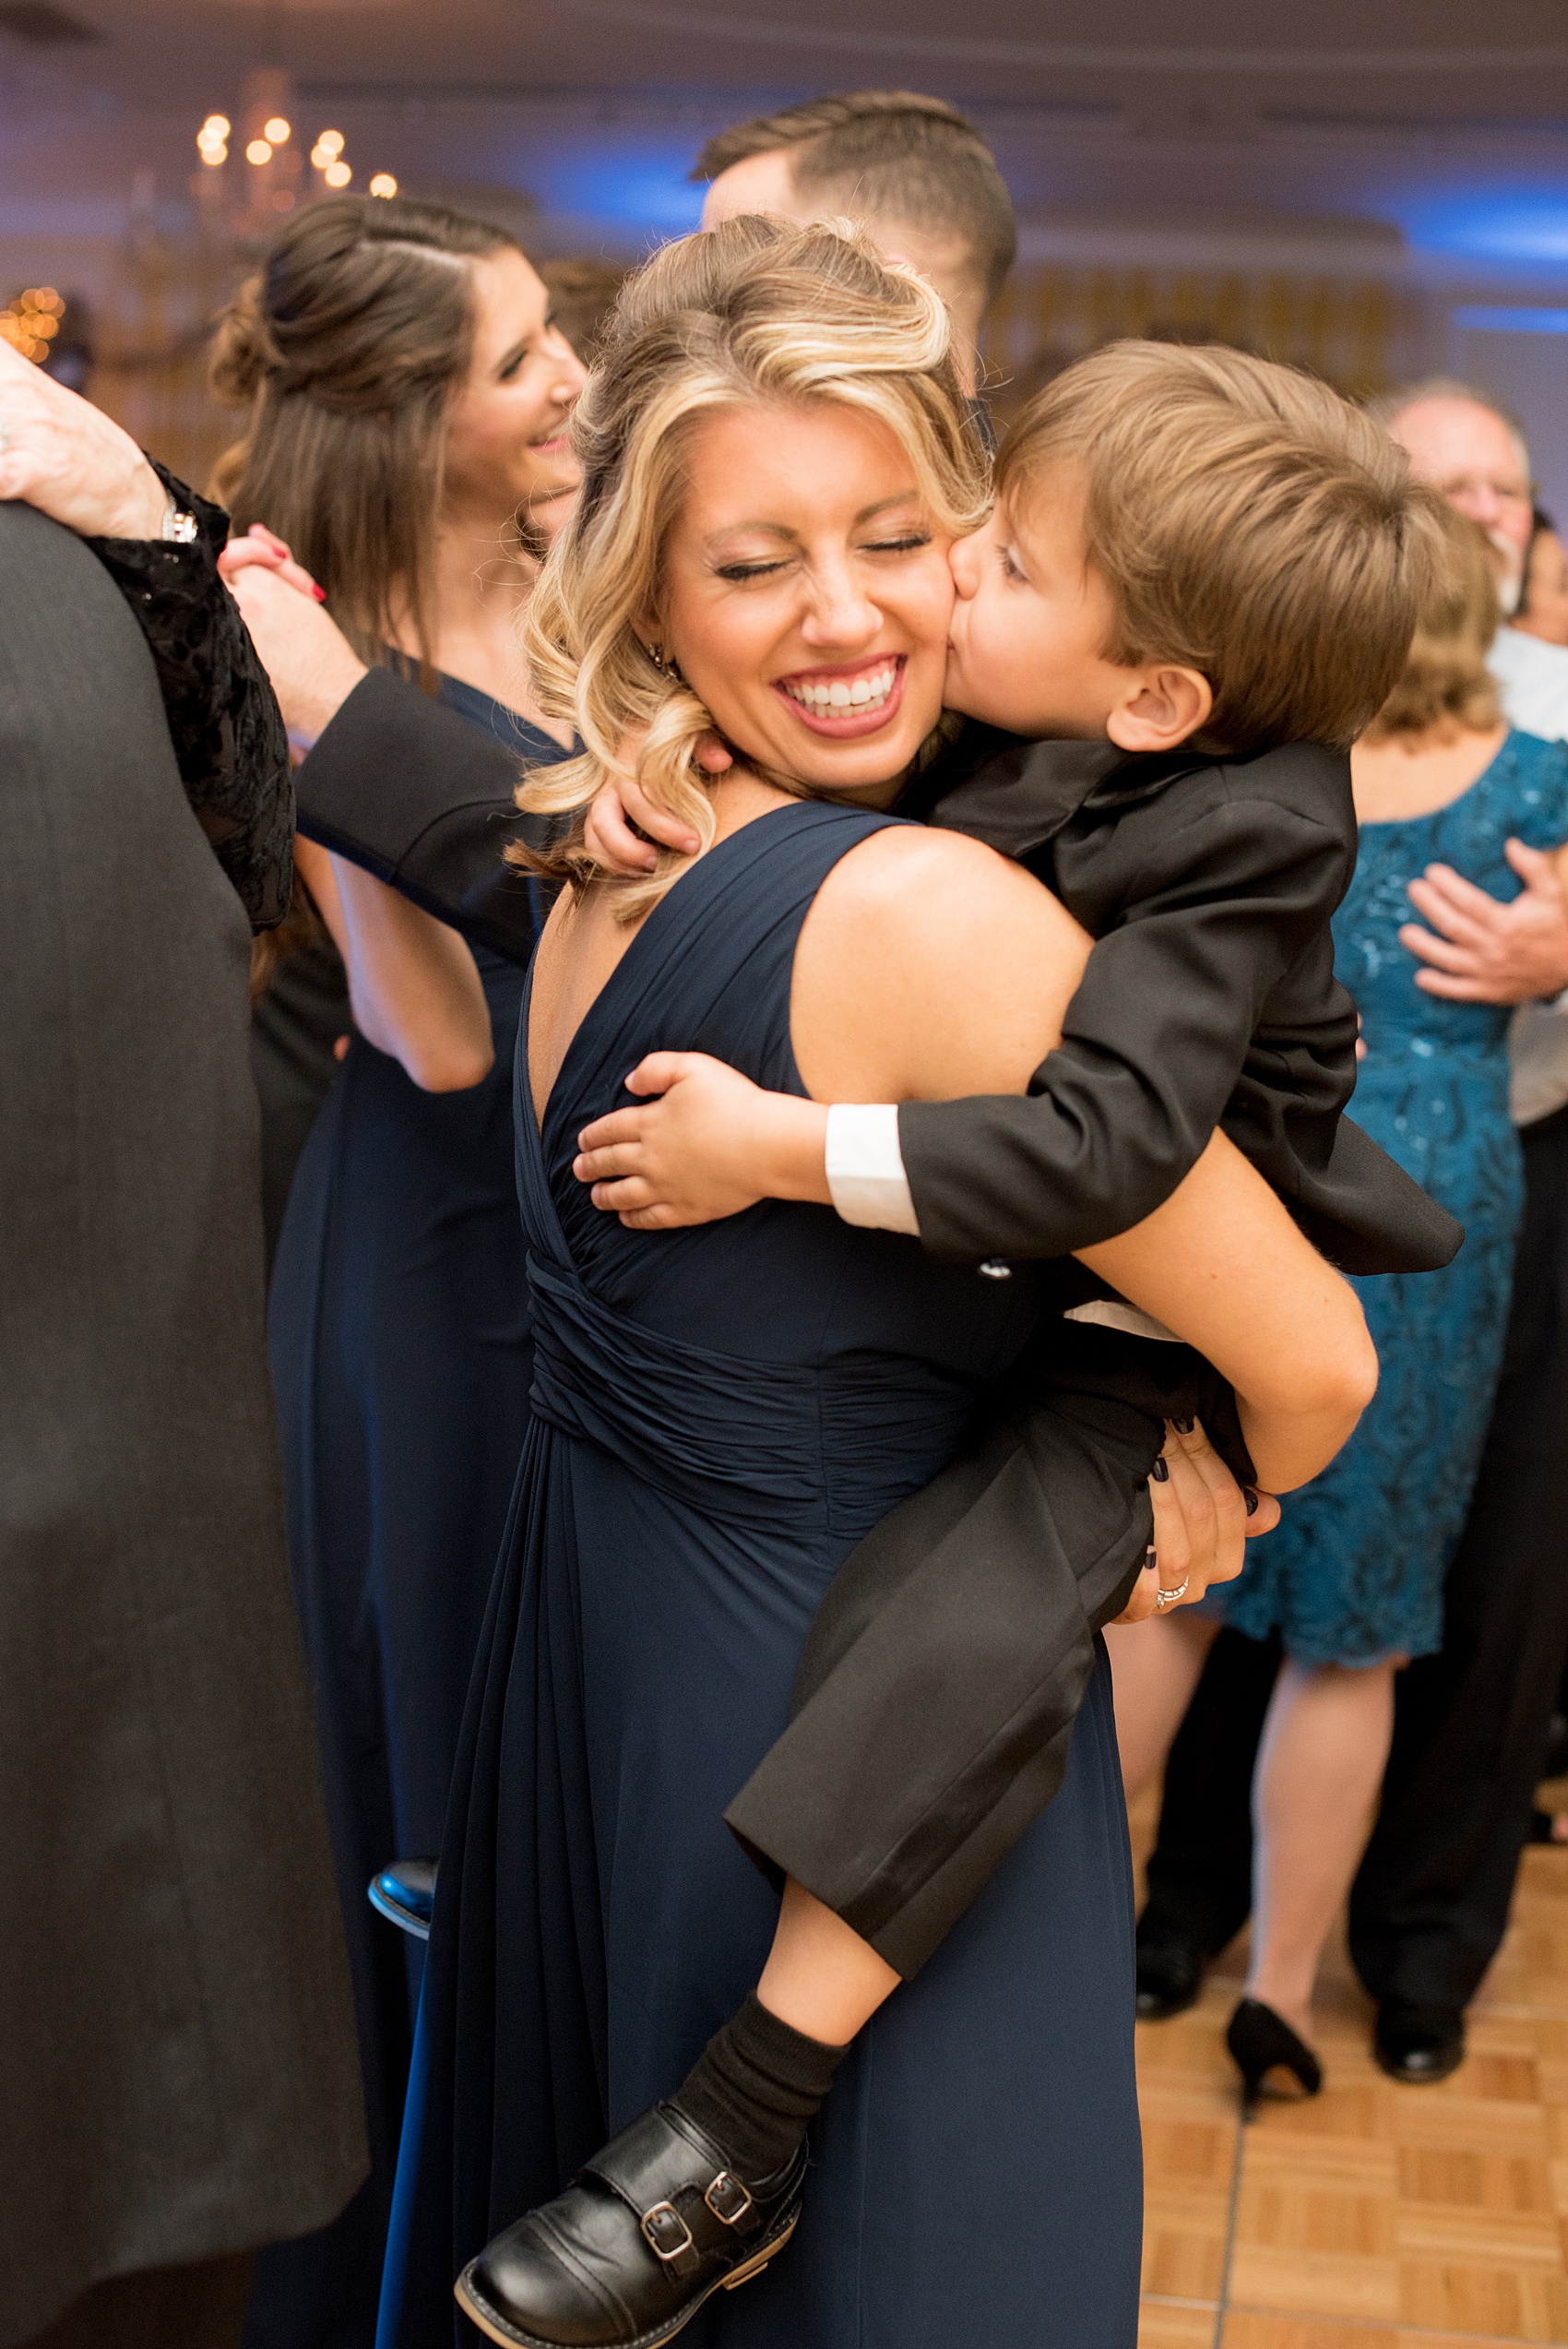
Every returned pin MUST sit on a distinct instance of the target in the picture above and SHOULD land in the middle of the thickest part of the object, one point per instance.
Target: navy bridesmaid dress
(401, 1359)
(719, 1415)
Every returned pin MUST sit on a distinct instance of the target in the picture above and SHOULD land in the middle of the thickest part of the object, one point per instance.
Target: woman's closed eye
(739, 573)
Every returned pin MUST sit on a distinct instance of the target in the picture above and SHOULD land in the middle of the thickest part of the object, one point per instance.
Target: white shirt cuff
(865, 1167)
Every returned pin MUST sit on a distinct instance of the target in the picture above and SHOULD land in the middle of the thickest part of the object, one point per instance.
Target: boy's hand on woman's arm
(706, 1143)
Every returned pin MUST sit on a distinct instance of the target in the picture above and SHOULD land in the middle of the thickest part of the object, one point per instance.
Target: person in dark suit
(178, 2071)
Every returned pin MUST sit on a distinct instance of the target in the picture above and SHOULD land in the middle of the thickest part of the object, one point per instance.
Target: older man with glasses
(1431, 1902)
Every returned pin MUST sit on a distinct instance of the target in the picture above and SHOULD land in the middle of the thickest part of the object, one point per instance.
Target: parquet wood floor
(1377, 2217)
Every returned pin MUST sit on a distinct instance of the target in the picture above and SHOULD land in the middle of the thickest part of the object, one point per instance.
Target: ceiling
(1430, 121)
(1416, 59)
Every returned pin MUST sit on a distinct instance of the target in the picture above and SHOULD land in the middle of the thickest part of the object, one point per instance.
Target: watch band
(180, 525)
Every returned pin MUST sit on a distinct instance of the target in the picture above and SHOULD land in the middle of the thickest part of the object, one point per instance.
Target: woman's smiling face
(506, 443)
(806, 593)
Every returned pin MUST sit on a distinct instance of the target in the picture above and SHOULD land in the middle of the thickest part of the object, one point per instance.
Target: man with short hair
(912, 170)
(1430, 1901)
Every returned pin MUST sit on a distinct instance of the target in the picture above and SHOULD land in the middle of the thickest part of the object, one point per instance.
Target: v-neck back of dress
(710, 971)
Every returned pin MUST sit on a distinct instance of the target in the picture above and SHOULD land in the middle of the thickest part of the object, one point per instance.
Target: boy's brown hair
(1248, 523)
(1445, 682)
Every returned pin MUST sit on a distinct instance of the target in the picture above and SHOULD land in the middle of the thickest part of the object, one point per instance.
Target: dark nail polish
(1151, 1559)
(1160, 1473)
(1183, 1426)
(1252, 1500)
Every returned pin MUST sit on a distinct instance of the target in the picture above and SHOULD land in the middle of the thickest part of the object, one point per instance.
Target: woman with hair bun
(408, 398)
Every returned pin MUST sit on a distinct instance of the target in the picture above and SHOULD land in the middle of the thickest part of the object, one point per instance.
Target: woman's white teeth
(864, 694)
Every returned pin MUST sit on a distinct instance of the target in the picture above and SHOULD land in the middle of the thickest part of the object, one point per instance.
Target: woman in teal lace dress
(1353, 1575)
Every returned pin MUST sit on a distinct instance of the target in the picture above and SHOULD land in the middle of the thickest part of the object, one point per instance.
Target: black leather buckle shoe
(1170, 1974)
(405, 1894)
(1419, 2044)
(641, 2237)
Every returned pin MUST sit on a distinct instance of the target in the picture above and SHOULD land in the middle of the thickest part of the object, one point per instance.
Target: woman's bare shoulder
(924, 955)
(939, 889)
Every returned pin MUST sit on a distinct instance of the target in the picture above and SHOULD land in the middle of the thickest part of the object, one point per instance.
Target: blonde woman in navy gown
(408, 396)
(776, 458)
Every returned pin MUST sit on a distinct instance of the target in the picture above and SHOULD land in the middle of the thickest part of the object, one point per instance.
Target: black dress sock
(755, 2087)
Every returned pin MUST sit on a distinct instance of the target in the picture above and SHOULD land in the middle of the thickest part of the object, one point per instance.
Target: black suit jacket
(1210, 1000)
(179, 2066)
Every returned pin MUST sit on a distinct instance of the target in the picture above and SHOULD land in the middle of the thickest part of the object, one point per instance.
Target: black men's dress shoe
(1419, 2044)
(404, 1893)
(641, 2237)
(1170, 1974)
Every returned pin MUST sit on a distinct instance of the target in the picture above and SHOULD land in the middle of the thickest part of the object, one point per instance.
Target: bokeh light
(31, 322)
(278, 130)
(383, 184)
(258, 151)
(338, 175)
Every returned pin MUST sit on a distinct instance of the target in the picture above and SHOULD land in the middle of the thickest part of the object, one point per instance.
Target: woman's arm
(413, 984)
(1222, 1265)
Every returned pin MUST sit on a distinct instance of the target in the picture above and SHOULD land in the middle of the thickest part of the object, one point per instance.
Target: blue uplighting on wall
(1486, 317)
(635, 182)
(1527, 228)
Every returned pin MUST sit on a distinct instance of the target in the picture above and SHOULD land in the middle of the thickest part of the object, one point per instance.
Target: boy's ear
(1166, 706)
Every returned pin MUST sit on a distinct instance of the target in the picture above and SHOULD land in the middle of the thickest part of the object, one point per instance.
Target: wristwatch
(180, 525)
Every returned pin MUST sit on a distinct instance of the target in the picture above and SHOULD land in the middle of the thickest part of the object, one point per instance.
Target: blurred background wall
(1376, 192)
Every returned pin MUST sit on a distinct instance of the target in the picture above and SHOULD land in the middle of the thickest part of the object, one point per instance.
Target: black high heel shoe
(1260, 2040)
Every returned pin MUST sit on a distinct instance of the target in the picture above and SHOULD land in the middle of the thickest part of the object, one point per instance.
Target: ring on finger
(1164, 1598)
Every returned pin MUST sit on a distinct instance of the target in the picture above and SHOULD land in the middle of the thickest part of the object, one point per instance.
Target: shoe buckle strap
(667, 2236)
(727, 2199)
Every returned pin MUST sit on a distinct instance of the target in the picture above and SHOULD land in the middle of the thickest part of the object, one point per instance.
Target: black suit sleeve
(1154, 1045)
(425, 801)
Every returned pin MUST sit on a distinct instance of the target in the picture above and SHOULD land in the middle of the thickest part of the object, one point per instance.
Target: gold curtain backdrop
(1361, 334)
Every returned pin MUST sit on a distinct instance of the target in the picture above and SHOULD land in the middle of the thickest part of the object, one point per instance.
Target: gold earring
(666, 668)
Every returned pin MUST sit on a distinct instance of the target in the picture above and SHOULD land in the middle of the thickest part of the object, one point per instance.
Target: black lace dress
(224, 720)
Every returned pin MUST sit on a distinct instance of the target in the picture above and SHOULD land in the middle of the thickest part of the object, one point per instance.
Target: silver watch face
(183, 528)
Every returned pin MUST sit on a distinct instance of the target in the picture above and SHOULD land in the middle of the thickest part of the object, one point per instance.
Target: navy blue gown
(401, 1359)
(719, 1414)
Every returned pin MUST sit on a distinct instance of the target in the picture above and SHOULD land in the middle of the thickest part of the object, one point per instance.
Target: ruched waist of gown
(796, 1447)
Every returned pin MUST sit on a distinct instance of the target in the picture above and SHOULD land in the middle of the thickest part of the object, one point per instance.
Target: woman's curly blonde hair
(756, 310)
